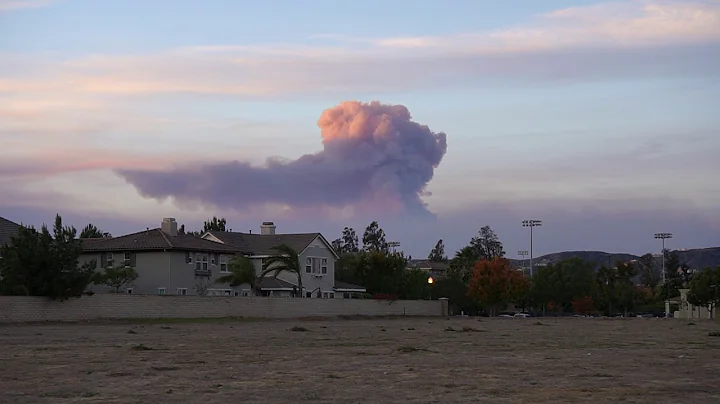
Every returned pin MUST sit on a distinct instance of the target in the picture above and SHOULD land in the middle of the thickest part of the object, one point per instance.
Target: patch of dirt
(409, 360)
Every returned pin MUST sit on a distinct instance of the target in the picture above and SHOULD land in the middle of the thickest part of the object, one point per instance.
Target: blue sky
(598, 117)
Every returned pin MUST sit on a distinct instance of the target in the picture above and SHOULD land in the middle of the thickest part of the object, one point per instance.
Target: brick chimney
(169, 226)
(267, 228)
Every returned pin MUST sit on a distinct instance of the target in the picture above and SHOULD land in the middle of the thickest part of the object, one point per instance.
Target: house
(170, 263)
(8, 230)
(688, 311)
(166, 262)
(433, 269)
(316, 256)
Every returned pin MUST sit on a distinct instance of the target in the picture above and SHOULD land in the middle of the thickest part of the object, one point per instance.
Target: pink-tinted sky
(600, 118)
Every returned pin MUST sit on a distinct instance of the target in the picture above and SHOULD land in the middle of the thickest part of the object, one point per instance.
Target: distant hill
(698, 258)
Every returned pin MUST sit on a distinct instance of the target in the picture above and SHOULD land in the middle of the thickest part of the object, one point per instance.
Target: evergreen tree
(350, 240)
(90, 231)
(487, 245)
(374, 239)
(438, 253)
(215, 224)
(37, 263)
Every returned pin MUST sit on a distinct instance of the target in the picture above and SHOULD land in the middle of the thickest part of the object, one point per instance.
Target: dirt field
(363, 361)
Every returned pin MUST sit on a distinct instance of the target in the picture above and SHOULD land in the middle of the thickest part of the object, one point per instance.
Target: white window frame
(162, 291)
(126, 259)
(109, 260)
(182, 291)
(224, 263)
(212, 259)
(316, 266)
(220, 292)
(201, 261)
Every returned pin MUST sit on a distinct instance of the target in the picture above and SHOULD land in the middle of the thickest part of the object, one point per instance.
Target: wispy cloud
(632, 39)
(10, 5)
(48, 163)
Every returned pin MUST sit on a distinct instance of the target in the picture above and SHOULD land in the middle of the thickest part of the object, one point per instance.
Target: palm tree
(288, 260)
(242, 271)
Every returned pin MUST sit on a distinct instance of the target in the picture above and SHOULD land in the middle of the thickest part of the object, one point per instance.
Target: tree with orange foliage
(494, 284)
(583, 305)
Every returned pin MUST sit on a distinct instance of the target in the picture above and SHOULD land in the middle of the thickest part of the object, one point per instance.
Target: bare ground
(406, 360)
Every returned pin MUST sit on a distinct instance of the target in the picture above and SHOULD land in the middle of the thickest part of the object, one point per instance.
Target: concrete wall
(117, 306)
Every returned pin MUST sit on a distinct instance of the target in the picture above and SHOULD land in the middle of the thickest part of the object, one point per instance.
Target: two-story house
(166, 262)
(169, 263)
(317, 259)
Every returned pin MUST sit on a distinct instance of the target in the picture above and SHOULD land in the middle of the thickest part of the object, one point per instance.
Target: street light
(523, 254)
(430, 285)
(663, 237)
(531, 224)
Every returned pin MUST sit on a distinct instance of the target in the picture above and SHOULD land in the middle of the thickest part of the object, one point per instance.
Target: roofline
(324, 240)
(99, 247)
(159, 249)
(316, 234)
(8, 220)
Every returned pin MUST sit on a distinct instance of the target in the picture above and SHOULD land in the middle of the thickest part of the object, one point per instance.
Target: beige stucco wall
(161, 269)
(316, 249)
(168, 269)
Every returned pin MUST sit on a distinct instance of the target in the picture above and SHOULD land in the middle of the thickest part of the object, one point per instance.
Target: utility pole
(531, 224)
(663, 237)
(523, 254)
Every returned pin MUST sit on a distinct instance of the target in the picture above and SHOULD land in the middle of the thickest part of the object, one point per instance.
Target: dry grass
(405, 360)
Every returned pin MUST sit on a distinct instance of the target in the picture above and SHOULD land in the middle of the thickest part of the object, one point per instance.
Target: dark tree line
(44, 263)
(214, 224)
(384, 273)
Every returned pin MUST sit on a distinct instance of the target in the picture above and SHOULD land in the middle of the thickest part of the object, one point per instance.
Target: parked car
(522, 315)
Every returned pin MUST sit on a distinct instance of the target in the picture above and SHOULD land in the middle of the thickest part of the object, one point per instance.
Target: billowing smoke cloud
(372, 151)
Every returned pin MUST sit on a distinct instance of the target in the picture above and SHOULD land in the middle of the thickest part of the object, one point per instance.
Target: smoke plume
(371, 151)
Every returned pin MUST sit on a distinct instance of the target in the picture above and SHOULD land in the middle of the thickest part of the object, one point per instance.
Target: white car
(522, 315)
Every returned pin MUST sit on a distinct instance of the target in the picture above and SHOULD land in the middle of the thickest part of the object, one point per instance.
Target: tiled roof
(153, 240)
(263, 244)
(269, 282)
(426, 264)
(347, 286)
(7, 229)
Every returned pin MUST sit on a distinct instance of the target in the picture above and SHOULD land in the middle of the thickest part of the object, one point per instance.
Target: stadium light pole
(663, 237)
(393, 245)
(523, 254)
(531, 224)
